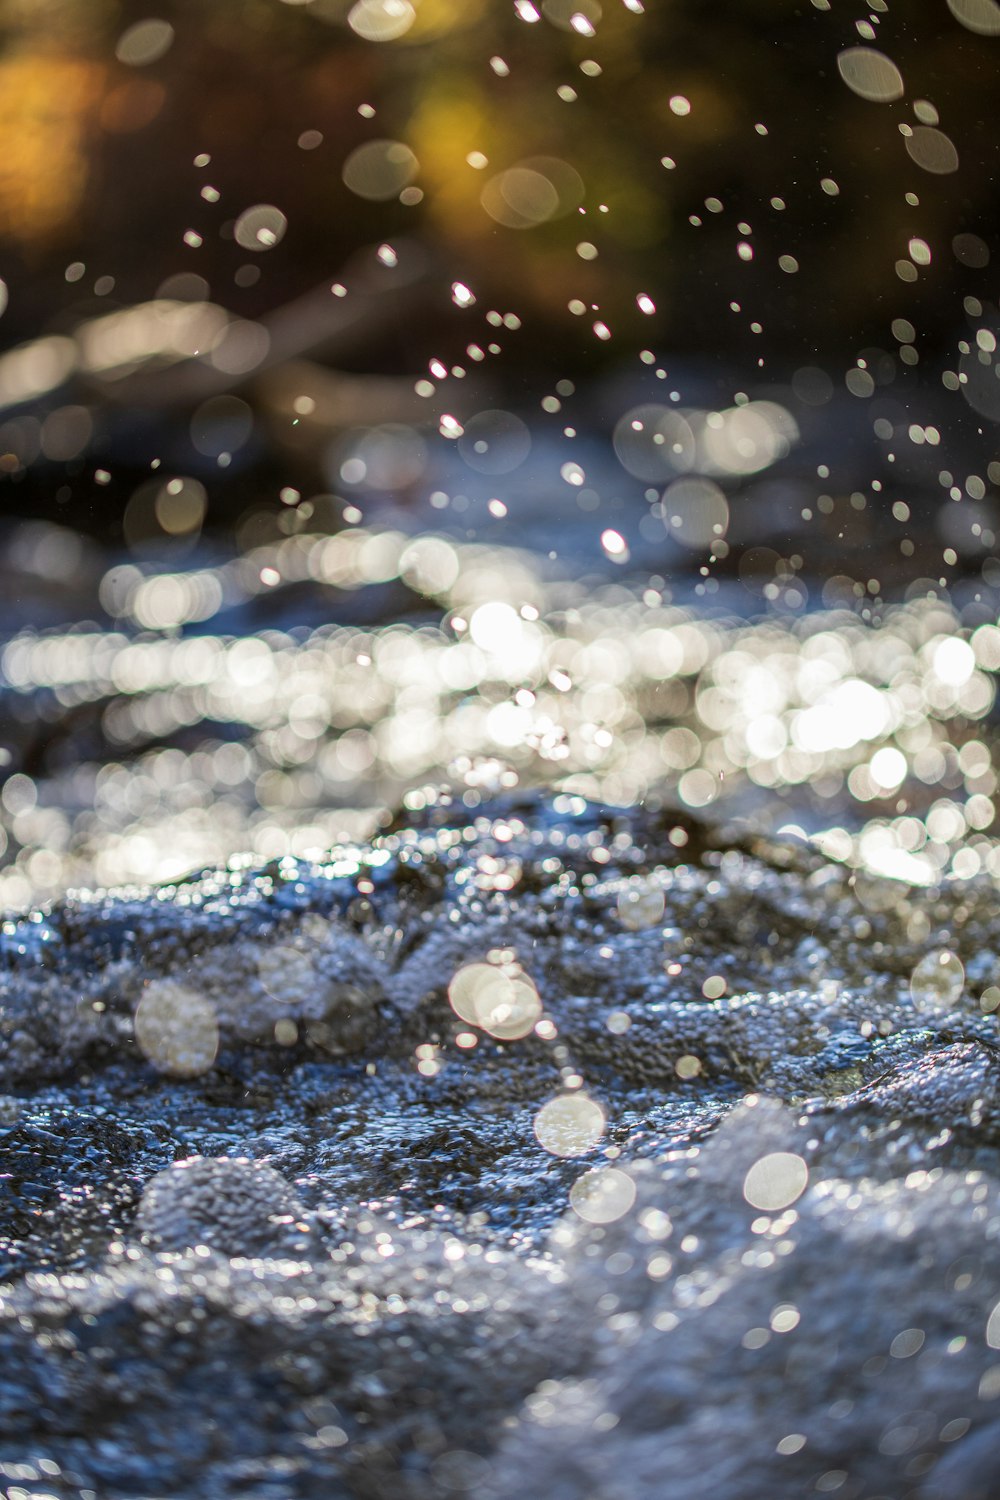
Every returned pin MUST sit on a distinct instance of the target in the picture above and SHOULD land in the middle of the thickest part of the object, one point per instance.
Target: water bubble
(520, 198)
(176, 1029)
(603, 1195)
(380, 169)
(144, 43)
(261, 227)
(860, 383)
(870, 74)
(888, 768)
(569, 1124)
(696, 511)
(812, 385)
(501, 1001)
(980, 16)
(615, 546)
(495, 442)
(222, 424)
(937, 982)
(180, 505)
(932, 150)
(287, 974)
(387, 458)
(654, 443)
(381, 20)
(971, 250)
(775, 1181)
(533, 191)
(641, 905)
(993, 1328)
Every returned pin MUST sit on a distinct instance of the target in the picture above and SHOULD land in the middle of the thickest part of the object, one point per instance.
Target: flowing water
(500, 981)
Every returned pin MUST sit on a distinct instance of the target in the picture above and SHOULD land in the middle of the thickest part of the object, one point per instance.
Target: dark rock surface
(276, 1222)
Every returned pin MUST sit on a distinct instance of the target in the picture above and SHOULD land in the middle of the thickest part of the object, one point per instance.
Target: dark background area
(99, 187)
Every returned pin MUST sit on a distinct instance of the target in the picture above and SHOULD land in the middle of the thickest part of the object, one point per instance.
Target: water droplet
(570, 1124)
(144, 43)
(937, 982)
(932, 150)
(980, 16)
(381, 20)
(261, 227)
(641, 905)
(603, 1195)
(696, 511)
(870, 74)
(379, 170)
(615, 546)
(176, 1029)
(775, 1181)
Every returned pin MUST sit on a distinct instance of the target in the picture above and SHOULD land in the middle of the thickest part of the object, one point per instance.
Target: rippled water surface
(499, 635)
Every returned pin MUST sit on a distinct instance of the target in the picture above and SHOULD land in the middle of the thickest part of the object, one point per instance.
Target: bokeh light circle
(570, 1124)
(176, 1029)
(603, 1195)
(260, 228)
(379, 170)
(775, 1181)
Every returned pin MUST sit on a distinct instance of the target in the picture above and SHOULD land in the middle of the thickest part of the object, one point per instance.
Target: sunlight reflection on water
(872, 735)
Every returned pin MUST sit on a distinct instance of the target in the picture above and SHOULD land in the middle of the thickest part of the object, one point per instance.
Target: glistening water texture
(864, 725)
(503, 1186)
(499, 632)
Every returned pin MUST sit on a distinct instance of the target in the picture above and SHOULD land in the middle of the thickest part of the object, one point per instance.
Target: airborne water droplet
(937, 982)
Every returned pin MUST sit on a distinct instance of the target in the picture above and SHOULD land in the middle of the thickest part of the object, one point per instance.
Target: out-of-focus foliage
(97, 164)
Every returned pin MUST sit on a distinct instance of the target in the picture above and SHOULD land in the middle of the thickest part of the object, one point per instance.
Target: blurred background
(607, 177)
(326, 325)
